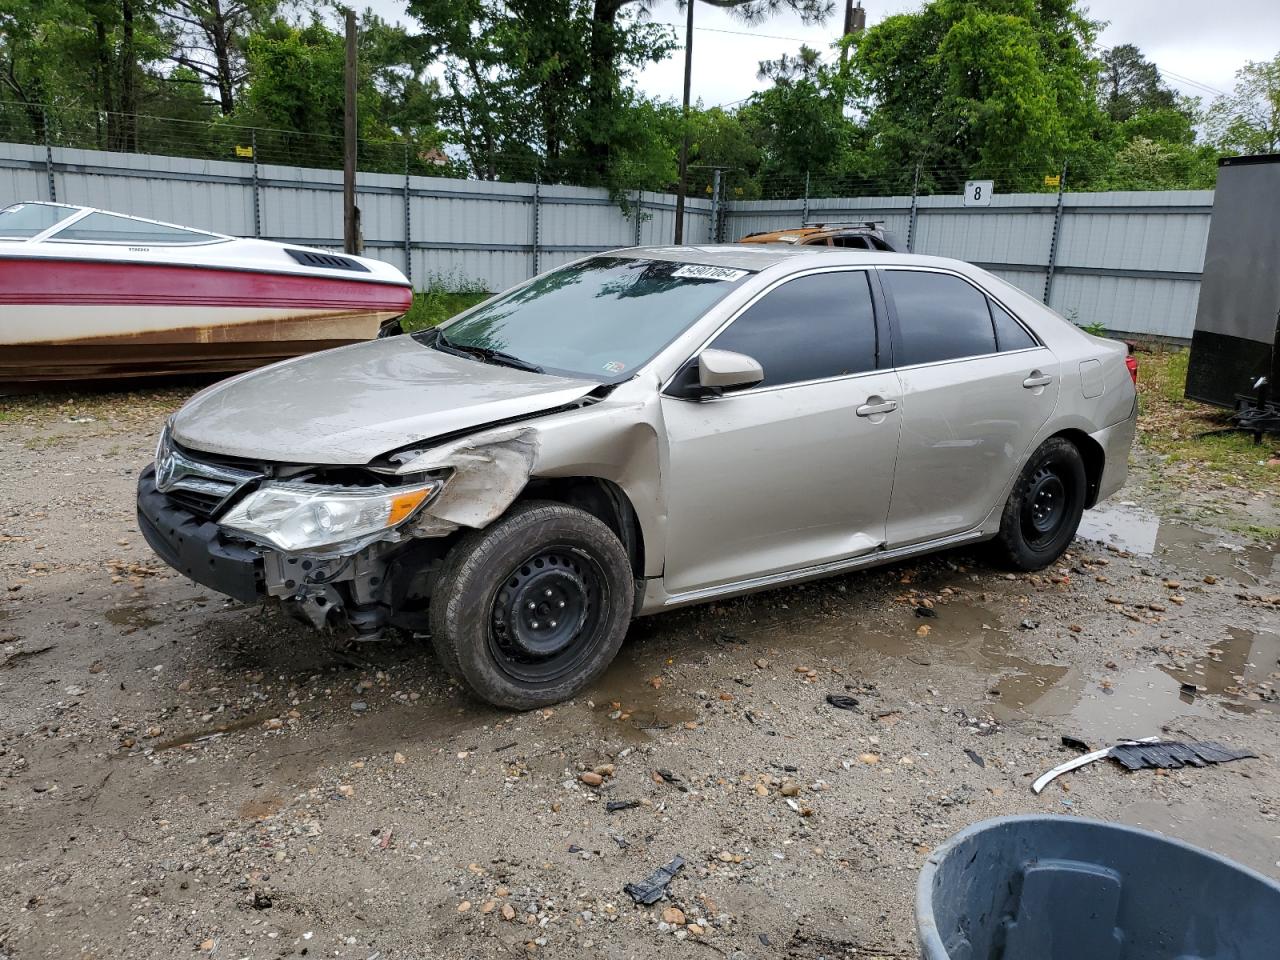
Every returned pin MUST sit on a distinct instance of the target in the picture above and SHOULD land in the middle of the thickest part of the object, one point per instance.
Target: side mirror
(725, 370)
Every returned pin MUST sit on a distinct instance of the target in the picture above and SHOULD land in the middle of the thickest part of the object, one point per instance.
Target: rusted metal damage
(207, 348)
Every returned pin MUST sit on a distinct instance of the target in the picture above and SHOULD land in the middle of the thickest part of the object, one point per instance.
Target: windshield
(22, 221)
(601, 318)
(101, 227)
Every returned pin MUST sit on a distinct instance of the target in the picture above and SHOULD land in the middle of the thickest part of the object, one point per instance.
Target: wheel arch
(604, 500)
(1095, 460)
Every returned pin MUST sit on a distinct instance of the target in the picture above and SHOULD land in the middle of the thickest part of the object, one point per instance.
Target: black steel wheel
(532, 609)
(544, 616)
(1044, 508)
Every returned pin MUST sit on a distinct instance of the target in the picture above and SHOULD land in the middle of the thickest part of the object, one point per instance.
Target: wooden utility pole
(350, 213)
(855, 21)
(682, 187)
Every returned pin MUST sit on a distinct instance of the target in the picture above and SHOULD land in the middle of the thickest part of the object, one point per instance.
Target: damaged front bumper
(365, 586)
(196, 547)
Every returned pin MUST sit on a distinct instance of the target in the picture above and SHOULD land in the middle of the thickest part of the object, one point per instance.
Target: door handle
(1037, 379)
(875, 406)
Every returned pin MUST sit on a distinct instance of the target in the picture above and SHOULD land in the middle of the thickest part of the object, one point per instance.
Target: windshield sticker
(614, 366)
(698, 271)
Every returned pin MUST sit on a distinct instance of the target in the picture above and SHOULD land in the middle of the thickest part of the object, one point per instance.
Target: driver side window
(810, 328)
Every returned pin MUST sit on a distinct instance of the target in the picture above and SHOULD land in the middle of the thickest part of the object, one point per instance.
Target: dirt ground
(184, 776)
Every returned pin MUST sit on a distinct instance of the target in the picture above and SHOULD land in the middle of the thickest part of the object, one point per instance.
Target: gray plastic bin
(1066, 888)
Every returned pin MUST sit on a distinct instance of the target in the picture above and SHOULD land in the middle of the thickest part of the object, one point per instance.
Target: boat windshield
(100, 227)
(22, 221)
(600, 318)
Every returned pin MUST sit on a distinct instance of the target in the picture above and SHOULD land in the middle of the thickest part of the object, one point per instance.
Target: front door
(976, 389)
(796, 471)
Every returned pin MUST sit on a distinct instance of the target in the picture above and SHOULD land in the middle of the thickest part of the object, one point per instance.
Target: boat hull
(68, 320)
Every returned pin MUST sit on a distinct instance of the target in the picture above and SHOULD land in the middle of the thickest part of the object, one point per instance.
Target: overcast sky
(1198, 44)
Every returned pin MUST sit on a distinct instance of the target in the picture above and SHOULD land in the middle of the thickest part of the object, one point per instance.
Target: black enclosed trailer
(1237, 320)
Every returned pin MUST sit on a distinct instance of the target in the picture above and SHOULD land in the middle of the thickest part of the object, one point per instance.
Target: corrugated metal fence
(1130, 261)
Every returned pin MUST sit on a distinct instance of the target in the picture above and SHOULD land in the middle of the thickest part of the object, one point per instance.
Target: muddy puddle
(1240, 672)
(1133, 529)
(628, 699)
(132, 617)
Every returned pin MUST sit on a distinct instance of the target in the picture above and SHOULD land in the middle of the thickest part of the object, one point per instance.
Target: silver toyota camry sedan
(635, 431)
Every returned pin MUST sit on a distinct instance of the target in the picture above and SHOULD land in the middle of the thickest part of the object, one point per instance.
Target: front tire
(531, 610)
(1043, 511)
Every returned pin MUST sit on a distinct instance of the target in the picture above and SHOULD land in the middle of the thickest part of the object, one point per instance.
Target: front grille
(196, 484)
(203, 505)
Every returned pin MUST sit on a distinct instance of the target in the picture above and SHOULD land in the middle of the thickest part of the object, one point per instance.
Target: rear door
(797, 471)
(976, 388)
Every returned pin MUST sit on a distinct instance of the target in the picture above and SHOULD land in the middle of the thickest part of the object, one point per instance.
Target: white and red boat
(87, 294)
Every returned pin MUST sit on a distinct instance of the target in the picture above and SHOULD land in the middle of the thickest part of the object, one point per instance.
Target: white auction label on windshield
(699, 271)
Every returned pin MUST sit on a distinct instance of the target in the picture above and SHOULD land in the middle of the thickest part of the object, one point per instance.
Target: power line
(740, 33)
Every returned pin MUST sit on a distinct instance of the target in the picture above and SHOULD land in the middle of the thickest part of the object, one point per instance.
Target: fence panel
(1130, 261)
(22, 173)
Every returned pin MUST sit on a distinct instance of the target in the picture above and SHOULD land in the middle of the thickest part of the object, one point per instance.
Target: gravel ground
(185, 776)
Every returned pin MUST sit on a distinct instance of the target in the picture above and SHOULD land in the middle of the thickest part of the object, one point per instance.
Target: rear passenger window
(940, 317)
(1010, 334)
(809, 328)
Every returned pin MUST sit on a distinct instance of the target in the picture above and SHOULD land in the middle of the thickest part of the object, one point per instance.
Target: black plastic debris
(673, 779)
(650, 890)
(1174, 755)
(1145, 753)
(613, 806)
(926, 612)
(1075, 743)
(972, 755)
(841, 702)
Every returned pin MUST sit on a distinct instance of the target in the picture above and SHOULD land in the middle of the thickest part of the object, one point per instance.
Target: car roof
(760, 256)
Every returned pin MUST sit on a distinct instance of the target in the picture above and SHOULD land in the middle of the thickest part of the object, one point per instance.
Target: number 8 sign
(977, 193)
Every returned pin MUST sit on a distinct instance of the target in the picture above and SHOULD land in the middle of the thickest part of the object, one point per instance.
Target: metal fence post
(408, 222)
(48, 155)
(804, 211)
(1053, 237)
(716, 236)
(911, 221)
(537, 220)
(257, 201)
(639, 214)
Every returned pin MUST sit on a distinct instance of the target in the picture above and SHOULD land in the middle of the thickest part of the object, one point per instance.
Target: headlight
(302, 516)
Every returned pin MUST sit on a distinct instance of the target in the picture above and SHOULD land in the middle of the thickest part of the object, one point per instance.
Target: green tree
(516, 83)
(209, 40)
(799, 124)
(1130, 84)
(1248, 120)
(612, 25)
(1001, 89)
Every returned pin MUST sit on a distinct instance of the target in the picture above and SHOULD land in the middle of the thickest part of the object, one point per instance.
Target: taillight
(1132, 363)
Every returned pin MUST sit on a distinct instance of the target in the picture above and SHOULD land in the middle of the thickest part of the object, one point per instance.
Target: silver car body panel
(352, 404)
(760, 487)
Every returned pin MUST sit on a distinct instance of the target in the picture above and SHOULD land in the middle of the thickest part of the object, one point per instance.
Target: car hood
(349, 405)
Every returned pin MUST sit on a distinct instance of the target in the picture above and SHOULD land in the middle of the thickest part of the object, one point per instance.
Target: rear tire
(1044, 508)
(531, 610)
